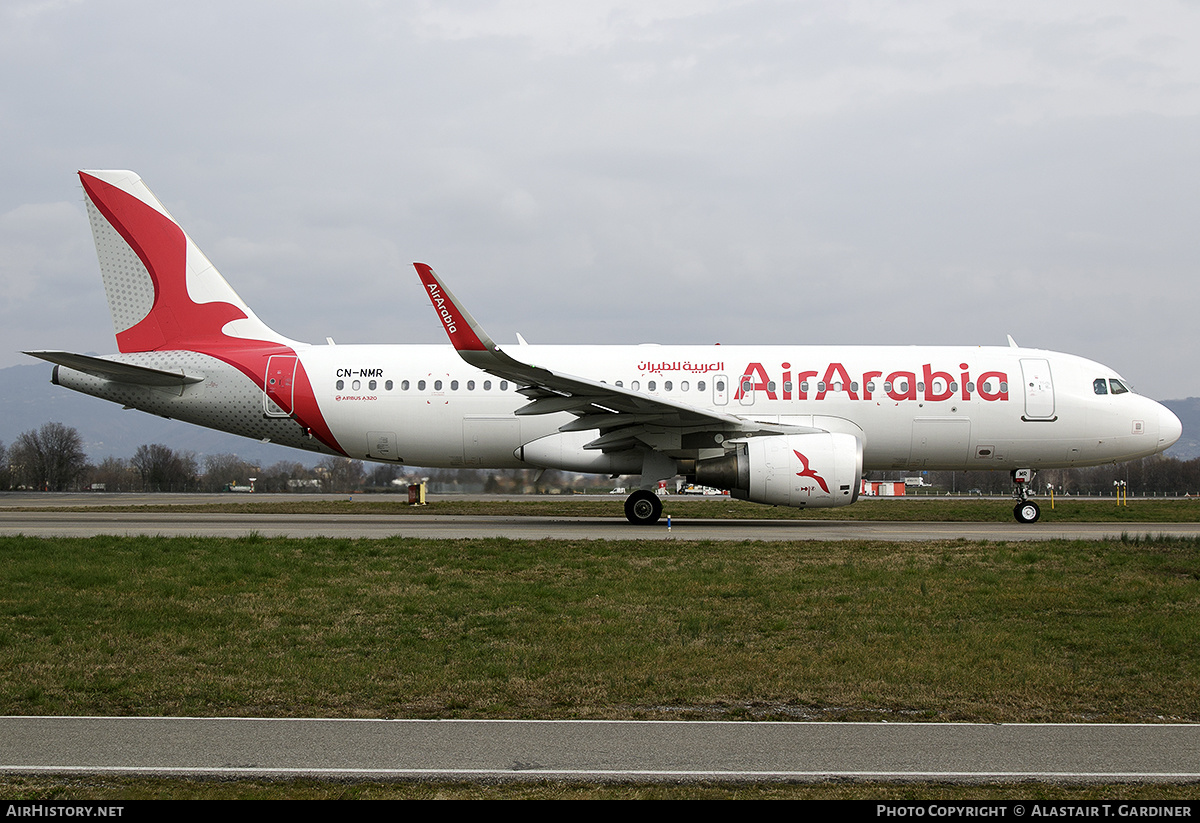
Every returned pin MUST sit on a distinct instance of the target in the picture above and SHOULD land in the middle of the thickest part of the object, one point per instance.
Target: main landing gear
(643, 507)
(1026, 511)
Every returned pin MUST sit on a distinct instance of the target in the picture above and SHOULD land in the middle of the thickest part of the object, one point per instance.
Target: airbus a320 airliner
(779, 425)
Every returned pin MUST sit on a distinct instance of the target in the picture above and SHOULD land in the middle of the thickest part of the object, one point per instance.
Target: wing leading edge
(624, 419)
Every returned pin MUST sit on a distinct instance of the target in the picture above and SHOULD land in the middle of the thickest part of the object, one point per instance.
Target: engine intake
(817, 470)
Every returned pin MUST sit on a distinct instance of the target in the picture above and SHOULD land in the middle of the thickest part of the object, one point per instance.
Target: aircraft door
(746, 389)
(1039, 389)
(720, 390)
(279, 385)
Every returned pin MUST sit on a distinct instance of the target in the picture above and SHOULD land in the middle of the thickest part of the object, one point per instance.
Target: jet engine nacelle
(818, 470)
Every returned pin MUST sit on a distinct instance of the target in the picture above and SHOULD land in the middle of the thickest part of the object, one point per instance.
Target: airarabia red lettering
(929, 383)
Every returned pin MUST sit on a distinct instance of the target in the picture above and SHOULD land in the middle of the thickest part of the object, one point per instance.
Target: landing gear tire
(1027, 512)
(643, 508)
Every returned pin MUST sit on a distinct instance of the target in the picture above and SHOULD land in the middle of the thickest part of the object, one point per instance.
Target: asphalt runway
(629, 751)
(28, 513)
(210, 524)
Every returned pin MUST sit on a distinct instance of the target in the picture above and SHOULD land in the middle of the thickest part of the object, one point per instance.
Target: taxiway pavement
(599, 750)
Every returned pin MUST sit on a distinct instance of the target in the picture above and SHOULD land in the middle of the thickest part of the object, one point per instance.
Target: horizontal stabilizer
(117, 372)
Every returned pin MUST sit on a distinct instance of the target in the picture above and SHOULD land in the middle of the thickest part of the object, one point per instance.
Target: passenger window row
(406, 385)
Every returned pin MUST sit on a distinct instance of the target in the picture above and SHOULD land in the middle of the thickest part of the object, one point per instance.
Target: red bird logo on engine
(809, 472)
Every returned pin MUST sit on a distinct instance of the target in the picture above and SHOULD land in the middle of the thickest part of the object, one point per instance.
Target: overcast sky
(615, 172)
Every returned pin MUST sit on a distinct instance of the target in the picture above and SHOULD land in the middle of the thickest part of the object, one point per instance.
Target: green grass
(986, 510)
(497, 628)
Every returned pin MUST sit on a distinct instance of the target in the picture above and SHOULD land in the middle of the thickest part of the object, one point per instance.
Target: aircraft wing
(624, 418)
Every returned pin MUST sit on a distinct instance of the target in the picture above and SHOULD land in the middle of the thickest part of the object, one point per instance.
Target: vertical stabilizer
(162, 291)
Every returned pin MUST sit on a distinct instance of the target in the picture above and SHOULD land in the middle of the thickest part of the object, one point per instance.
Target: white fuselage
(912, 407)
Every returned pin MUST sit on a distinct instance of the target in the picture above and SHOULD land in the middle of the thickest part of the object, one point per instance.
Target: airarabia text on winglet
(930, 385)
(440, 305)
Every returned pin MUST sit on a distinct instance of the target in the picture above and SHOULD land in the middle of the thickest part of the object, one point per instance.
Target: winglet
(465, 334)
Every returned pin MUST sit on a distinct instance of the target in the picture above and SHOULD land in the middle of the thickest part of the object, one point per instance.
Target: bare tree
(114, 474)
(287, 475)
(50, 457)
(164, 470)
(341, 474)
(224, 470)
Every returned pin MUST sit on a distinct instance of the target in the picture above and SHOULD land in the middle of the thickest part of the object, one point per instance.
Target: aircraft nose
(1169, 428)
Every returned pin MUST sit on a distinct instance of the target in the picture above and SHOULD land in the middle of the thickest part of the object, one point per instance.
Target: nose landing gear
(1026, 511)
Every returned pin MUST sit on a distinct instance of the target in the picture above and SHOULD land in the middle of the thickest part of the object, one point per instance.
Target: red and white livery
(781, 425)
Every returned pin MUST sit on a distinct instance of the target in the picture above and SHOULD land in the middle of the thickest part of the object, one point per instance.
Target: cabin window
(453, 385)
(635, 385)
(341, 384)
(683, 385)
(356, 385)
(487, 385)
(404, 384)
(746, 385)
(804, 386)
(437, 385)
(650, 385)
(871, 385)
(1117, 387)
(503, 385)
(470, 385)
(387, 386)
(372, 385)
(970, 385)
(770, 385)
(787, 385)
(1100, 385)
(700, 386)
(666, 385)
(420, 385)
(821, 385)
(620, 384)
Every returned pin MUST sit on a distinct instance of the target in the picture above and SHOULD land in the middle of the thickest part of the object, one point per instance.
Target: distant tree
(50, 457)
(164, 470)
(221, 470)
(114, 473)
(4, 479)
(382, 475)
(286, 475)
(341, 474)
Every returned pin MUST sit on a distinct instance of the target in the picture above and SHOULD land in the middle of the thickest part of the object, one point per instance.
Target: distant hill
(1188, 412)
(28, 399)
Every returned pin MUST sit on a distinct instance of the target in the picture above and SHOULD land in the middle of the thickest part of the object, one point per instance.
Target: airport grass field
(1045, 631)
(1054, 631)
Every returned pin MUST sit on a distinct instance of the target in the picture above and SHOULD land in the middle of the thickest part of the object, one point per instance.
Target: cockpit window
(1100, 385)
(1117, 387)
